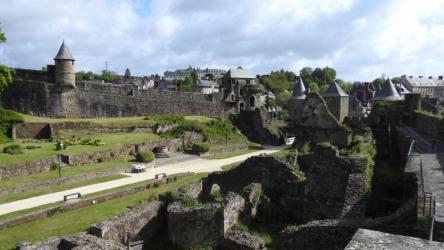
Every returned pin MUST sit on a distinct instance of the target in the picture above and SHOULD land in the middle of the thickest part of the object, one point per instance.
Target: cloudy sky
(361, 39)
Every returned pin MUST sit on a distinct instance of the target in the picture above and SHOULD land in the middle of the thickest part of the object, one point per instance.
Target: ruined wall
(104, 100)
(140, 223)
(316, 123)
(335, 187)
(279, 183)
(195, 227)
(35, 130)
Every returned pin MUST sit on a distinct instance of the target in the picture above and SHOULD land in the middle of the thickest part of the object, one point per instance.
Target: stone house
(337, 101)
(206, 86)
(241, 91)
(432, 87)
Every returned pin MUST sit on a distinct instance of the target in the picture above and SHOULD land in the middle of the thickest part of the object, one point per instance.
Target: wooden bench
(161, 175)
(72, 196)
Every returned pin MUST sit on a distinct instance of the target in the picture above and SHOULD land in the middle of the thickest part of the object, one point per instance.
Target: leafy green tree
(194, 76)
(186, 85)
(5, 72)
(282, 99)
(127, 73)
(278, 81)
(396, 80)
(379, 81)
(85, 76)
(109, 76)
(346, 86)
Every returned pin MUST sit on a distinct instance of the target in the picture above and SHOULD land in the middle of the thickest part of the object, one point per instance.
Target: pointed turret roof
(387, 92)
(299, 90)
(64, 53)
(334, 90)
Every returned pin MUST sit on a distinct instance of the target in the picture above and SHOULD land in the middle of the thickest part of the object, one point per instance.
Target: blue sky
(361, 39)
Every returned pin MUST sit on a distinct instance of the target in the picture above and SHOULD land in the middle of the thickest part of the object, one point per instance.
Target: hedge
(145, 157)
(200, 147)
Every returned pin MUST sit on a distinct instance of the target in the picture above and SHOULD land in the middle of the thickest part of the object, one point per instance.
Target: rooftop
(299, 90)
(420, 81)
(334, 90)
(64, 53)
(240, 73)
(387, 92)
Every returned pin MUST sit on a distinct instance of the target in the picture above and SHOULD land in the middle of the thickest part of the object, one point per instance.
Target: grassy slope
(111, 140)
(71, 171)
(80, 219)
(57, 188)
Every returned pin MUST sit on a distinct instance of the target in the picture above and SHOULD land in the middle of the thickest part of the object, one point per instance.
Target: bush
(98, 142)
(31, 147)
(145, 157)
(200, 147)
(13, 149)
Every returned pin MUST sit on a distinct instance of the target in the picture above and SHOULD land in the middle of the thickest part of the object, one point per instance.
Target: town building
(201, 73)
(432, 87)
(206, 86)
(337, 101)
(241, 91)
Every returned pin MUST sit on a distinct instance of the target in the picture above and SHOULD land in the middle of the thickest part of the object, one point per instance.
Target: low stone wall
(125, 151)
(140, 223)
(242, 241)
(64, 180)
(429, 124)
(34, 130)
(75, 205)
(195, 227)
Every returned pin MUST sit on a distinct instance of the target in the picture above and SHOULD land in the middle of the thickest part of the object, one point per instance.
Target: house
(206, 86)
(432, 87)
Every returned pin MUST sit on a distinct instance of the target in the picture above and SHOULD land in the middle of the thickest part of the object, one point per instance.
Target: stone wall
(140, 223)
(316, 123)
(34, 130)
(279, 183)
(336, 186)
(125, 151)
(104, 100)
(229, 148)
(195, 227)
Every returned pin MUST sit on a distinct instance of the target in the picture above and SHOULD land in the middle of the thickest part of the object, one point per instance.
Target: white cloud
(361, 39)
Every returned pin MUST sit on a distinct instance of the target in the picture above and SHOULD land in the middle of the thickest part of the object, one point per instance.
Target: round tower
(64, 67)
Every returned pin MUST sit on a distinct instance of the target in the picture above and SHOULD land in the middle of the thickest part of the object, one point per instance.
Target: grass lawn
(70, 171)
(112, 122)
(57, 188)
(80, 219)
(231, 166)
(251, 148)
(111, 140)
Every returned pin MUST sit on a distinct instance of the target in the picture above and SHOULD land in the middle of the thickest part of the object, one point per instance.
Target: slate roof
(64, 53)
(205, 83)
(424, 81)
(334, 90)
(299, 90)
(239, 73)
(387, 92)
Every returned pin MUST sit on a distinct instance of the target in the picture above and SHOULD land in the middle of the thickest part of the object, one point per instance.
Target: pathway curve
(195, 165)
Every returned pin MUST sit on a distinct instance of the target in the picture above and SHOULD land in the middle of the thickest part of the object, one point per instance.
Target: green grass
(80, 219)
(250, 149)
(71, 171)
(29, 210)
(231, 166)
(112, 122)
(266, 236)
(57, 188)
(111, 140)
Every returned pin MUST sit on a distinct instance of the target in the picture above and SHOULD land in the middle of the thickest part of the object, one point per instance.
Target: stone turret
(64, 67)
(296, 100)
(337, 101)
(388, 92)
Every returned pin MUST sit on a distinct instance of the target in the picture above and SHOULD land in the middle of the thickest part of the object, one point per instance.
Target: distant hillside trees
(5, 72)
(106, 76)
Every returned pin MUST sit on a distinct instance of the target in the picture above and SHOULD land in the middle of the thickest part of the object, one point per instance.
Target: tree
(127, 73)
(186, 85)
(194, 76)
(5, 72)
(346, 86)
(378, 81)
(109, 76)
(396, 80)
(282, 99)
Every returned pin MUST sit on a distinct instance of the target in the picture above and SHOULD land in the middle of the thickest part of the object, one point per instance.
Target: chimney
(440, 77)
(430, 77)
(411, 76)
(420, 76)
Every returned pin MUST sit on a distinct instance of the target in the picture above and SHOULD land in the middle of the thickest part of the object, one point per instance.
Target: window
(252, 101)
(232, 97)
(242, 106)
(248, 81)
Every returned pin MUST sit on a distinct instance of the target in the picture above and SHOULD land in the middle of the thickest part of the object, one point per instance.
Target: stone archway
(252, 102)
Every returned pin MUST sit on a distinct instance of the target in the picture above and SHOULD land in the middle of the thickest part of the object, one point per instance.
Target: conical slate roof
(387, 92)
(334, 90)
(299, 90)
(64, 53)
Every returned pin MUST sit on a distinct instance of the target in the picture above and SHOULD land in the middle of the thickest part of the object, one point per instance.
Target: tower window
(252, 101)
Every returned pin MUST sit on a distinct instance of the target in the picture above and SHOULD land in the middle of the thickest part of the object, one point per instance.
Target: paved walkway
(196, 166)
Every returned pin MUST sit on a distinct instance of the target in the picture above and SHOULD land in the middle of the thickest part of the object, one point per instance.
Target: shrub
(200, 147)
(31, 147)
(54, 166)
(13, 149)
(9, 116)
(98, 142)
(145, 157)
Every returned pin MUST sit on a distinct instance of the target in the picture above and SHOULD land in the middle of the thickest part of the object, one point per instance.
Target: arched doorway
(252, 102)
